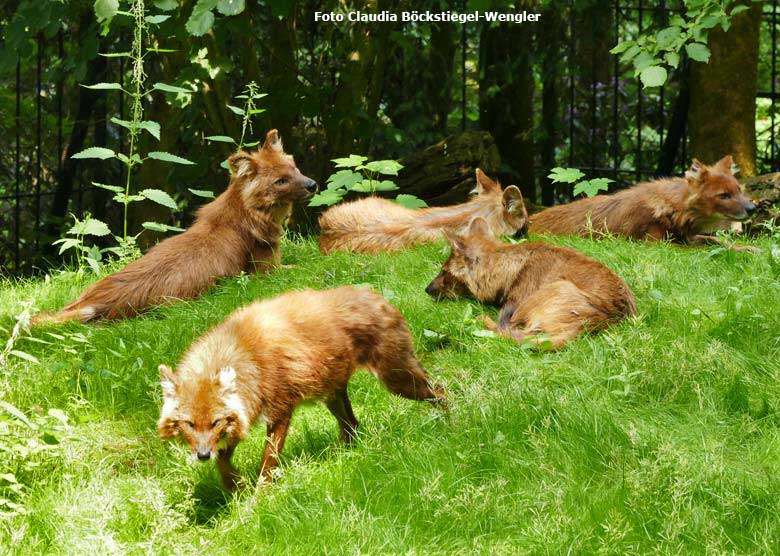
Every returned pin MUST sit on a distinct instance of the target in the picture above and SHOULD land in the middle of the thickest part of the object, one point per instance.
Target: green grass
(660, 435)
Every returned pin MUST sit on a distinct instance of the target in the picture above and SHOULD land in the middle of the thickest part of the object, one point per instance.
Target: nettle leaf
(202, 193)
(351, 161)
(410, 201)
(220, 138)
(114, 54)
(160, 197)
(106, 9)
(90, 227)
(387, 167)
(565, 175)
(344, 178)
(152, 127)
(104, 86)
(171, 88)
(230, 7)
(95, 152)
(122, 198)
(592, 187)
(698, 52)
(166, 5)
(327, 198)
(67, 243)
(168, 157)
(159, 227)
(157, 19)
(127, 124)
(236, 110)
(114, 188)
(202, 18)
(654, 76)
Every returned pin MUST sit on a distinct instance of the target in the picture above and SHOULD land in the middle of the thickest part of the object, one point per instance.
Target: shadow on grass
(211, 502)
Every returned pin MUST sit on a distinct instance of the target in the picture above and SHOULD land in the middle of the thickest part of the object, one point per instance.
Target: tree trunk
(550, 36)
(439, 77)
(676, 130)
(506, 88)
(723, 94)
(282, 80)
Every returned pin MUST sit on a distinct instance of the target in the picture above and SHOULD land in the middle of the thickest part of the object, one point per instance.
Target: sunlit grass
(657, 436)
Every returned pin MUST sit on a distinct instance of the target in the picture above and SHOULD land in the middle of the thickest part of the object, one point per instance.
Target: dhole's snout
(204, 455)
(749, 206)
(310, 185)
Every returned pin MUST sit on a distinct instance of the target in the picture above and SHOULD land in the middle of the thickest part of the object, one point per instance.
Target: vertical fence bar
(17, 161)
(571, 84)
(60, 87)
(40, 46)
(463, 74)
(662, 119)
(615, 99)
(772, 147)
(638, 152)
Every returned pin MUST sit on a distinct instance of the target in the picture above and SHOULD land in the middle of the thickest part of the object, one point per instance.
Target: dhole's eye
(216, 423)
(724, 196)
(189, 424)
(280, 181)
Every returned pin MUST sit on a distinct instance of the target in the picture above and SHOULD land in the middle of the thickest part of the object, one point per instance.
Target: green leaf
(106, 9)
(95, 152)
(344, 178)
(565, 175)
(365, 186)
(327, 198)
(710, 21)
(256, 111)
(220, 138)
(121, 198)
(160, 197)
(93, 264)
(159, 227)
(410, 201)
(351, 161)
(168, 157)
(166, 5)
(114, 188)
(666, 37)
(387, 167)
(739, 9)
(672, 58)
(698, 52)
(171, 89)
(236, 110)
(654, 76)
(67, 243)
(592, 187)
(90, 227)
(621, 47)
(202, 193)
(152, 127)
(385, 185)
(230, 7)
(114, 54)
(16, 412)
(630, 54)
(104, 86)
(202, 18)
(157, 19)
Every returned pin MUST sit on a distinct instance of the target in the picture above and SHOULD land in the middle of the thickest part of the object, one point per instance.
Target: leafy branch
(589, 188)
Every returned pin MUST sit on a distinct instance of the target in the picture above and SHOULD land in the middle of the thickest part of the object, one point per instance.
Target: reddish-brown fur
(375, 225)
(270, 356)
(239, 230)
(680, 209)
(541, 288)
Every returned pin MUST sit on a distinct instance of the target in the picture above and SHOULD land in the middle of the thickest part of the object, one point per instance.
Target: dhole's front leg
(264, 257)
(706, 239)
(276, 433)
(227, 472)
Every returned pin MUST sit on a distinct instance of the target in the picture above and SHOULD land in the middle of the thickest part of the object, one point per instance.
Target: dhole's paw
(747, 248)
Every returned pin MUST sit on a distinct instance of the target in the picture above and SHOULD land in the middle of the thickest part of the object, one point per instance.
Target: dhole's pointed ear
(513, 201)
(456, 241)
(227, 378)
(726, 165)
(697, 172)
(272, 142)
(479, 228)
(485, 184)
(167, 381)
(240, 164)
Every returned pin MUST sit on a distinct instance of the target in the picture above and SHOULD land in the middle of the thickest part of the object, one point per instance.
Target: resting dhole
(268, 357)
(681, 209)
(239, 230)
(375, 225)
(542, 289)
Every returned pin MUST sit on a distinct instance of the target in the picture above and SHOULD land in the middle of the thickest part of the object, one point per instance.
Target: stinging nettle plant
(362, 177)
(105, 11)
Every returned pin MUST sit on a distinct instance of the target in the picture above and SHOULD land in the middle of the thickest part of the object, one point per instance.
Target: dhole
(239, 230)
(681, 209)
(375, 225)
(268, 357)
(541, 288)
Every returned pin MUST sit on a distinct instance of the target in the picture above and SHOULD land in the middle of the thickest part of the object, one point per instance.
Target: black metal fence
(610, 127)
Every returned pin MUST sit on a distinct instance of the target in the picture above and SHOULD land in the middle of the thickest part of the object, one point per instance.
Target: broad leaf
(351, 161)
(104, 86)
(121, 198)
(106, 9)
(114, 54)
(230, 7)
(698, 52)
(202, 193)
(67, 243)
(159, 227)
(236, 110)
(152, 127)
(344, 178)
(201, 19)
(565, 175)
(387, 167)
(220, 138)
(170, 88)
(327, 197)
(168, 157)
(91, 227)
(166, 5)
(160, 197)
(95, 152)
(410, 201)
(157, 19)
(114, 188)
(592, 187)
(385, 185)
(654, 76)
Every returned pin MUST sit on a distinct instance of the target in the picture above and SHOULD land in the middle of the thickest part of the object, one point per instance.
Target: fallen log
(765, 192)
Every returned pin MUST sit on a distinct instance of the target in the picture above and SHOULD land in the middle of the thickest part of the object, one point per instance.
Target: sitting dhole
(270, 356)
(681, 209)
(239, 230)
(375, 225)
(541, 288)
